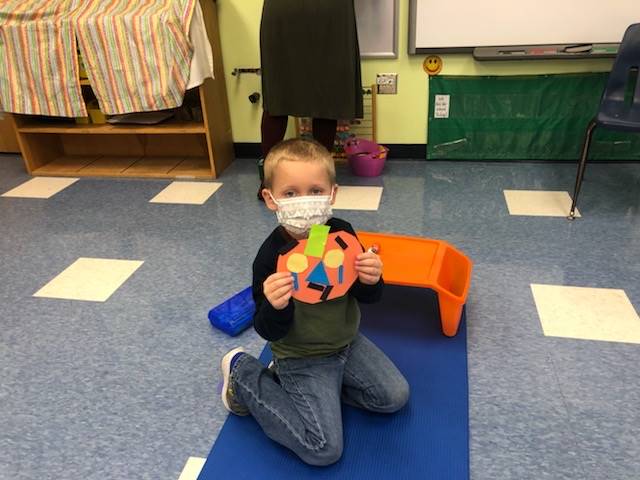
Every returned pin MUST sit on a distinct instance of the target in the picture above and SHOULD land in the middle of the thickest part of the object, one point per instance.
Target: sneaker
(228, 397)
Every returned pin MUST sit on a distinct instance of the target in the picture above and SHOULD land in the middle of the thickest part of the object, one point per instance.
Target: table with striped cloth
(38, 61)
(137, 54)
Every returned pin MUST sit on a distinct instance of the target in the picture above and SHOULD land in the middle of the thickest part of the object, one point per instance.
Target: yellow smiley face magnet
(432, 65)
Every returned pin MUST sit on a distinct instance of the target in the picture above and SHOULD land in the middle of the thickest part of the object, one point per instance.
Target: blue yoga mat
(427, 439)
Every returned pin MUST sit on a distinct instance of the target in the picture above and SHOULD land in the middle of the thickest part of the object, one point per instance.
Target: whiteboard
(377, 28)
(465, 24)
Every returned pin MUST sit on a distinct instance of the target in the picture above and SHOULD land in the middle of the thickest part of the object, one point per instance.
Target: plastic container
(366, 158)
(234, 315)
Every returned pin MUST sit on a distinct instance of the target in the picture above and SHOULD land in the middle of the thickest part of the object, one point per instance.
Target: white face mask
(299, 214)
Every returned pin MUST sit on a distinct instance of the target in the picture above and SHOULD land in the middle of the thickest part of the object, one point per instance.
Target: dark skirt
(310, 59)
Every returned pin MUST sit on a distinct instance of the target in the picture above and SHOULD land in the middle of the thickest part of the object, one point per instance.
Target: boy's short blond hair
(298, 150)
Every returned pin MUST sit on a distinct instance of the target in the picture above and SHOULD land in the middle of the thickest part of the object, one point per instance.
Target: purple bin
(366, 158)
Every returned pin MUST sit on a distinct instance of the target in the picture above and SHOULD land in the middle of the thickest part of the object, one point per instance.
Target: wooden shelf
(119, 166)
(172, 149)
(109, 129)
(8, 138)
(65, 165)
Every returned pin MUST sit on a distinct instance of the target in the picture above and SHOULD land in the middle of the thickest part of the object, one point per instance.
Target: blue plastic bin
(235, 314)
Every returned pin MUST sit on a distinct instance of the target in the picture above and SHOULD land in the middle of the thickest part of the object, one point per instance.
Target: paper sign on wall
(441, 107)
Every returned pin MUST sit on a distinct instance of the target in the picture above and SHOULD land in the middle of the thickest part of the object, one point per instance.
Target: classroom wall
(402, 118)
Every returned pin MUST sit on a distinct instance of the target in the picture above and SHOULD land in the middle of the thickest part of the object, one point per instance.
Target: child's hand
(278, 288)
(369, 268)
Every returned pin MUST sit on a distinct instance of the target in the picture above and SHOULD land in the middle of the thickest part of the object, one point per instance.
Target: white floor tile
(40, 187)
(358, 198)
(538, 203)
(586, 313)
(91, 279)
(193, 467)
(191, 193)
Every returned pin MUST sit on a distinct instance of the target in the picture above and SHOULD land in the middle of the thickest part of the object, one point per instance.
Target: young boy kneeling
(320, 358)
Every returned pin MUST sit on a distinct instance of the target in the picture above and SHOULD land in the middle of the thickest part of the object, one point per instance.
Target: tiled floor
(538, 203)
(40, 187)
(92, 279)
(588, 313)
(190, 193)
(358, 198)
(192, 468)
(123, 386)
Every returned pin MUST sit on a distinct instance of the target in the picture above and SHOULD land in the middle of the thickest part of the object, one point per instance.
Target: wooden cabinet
(8, 140)
(172, 149)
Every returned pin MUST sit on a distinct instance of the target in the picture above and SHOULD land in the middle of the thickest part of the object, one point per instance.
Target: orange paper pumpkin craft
(322, 272)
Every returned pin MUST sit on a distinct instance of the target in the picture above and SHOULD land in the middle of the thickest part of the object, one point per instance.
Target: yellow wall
(402, 118)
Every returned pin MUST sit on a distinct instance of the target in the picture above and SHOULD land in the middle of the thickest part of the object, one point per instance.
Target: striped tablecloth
(137, 54)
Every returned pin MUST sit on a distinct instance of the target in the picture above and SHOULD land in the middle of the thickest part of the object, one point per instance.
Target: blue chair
(614, 112)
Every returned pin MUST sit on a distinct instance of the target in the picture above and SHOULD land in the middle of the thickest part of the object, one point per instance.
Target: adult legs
(273, 129)
(324, 131)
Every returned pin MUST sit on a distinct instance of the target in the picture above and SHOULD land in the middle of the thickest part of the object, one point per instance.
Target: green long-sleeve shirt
(301, 329)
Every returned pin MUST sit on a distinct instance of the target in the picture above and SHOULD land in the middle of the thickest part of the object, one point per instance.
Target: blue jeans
(300, 405)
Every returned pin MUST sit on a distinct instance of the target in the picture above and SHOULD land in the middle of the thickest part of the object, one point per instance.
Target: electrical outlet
(387, 83)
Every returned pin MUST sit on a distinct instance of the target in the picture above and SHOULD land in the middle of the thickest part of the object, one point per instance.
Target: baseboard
(403, 151)
(247, 150)
(417, 151)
